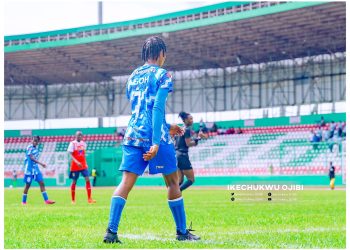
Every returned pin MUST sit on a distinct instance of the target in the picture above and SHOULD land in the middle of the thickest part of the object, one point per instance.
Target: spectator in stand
(337, 139)
(201, 123)
(214, 128)
(330, 145)
(115, 134)
(221, 131)
(314, 140)
(311, 135)
(322, 122)
(230, 131)
(332, 129)
(119, 137)
(340, 129)
(325, 134)
(122, 132)
(344, 129)
(328, 139)
(319, 133)
(202, 127)
(239, 131)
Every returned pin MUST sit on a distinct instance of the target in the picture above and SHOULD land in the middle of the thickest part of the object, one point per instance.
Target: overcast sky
(22, 17)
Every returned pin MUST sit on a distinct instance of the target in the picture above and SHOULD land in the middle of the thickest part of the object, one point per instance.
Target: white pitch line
(164, 239)
(291, 230)
(144, 237)
(223, 242)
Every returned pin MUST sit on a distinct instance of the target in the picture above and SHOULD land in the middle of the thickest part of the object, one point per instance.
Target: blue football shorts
(28, 178)
(163, 163)
(75, 174)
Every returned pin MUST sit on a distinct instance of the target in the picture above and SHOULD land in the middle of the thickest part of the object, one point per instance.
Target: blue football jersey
(141, 90)
(31, 167)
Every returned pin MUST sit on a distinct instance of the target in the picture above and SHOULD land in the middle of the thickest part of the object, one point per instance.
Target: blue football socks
(117, 206)
(45, 196)
(24, 198)
(178, 210)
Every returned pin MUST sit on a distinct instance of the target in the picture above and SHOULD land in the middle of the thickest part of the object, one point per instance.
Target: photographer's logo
(265, 187)
(261, 193)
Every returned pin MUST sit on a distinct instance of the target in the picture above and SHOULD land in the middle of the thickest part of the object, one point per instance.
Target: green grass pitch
(315, 220)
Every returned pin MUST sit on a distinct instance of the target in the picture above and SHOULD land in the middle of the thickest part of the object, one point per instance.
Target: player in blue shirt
(147, 140)
(32, 171)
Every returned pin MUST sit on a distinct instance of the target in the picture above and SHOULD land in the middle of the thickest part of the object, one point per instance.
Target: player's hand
(151, 153)
(176, 130)
(43, 165)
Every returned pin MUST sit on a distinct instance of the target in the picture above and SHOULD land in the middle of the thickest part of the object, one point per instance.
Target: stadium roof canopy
(220, 35)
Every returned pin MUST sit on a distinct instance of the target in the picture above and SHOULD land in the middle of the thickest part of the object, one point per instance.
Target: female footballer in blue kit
(147, 140)
(32, 171)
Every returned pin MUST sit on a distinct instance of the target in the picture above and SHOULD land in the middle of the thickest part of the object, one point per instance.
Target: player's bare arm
(36, 161)
(151, 153)
(176, 130)
(75, 160)
(190, 142)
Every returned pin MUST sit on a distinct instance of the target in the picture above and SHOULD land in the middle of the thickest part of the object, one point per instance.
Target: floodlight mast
(100, 12)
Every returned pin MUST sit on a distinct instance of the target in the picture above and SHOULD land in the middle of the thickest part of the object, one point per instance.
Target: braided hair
(152, 48)
(183, 115)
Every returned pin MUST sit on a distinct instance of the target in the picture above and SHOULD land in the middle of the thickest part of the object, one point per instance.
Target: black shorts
(183, 161)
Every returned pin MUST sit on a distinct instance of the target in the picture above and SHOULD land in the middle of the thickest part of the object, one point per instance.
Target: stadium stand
(272, 150)
(283, 150)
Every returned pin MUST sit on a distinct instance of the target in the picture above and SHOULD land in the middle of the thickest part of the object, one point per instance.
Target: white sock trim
(178, 199)
(43, 192)
(116, 196)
